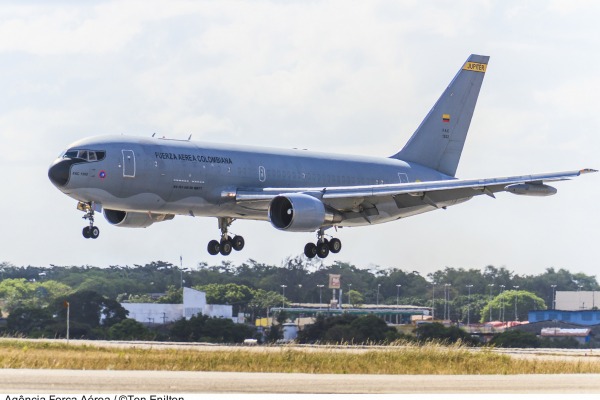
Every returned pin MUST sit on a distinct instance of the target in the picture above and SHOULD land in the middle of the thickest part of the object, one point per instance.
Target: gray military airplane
(138, 181)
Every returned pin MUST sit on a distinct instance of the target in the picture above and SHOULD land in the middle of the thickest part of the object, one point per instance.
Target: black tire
(310, 250)
(213, 247)
(323, 249)
(86, 232)
(226, 247)
(94, 232)
(335, 245)
(238, 243)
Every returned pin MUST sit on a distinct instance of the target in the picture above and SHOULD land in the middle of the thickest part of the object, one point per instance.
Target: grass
(414, 360)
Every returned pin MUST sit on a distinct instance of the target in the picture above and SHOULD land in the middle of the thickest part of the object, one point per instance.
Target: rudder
(439, 140)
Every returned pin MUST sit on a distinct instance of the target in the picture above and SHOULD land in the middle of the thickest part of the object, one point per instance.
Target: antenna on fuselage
(189, 138)
(153, 134)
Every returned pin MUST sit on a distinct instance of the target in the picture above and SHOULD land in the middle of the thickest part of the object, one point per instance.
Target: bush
(515, 339)
(438, 332)
(348, 329)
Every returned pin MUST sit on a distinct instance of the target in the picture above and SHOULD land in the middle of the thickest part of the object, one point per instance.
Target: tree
(201, 328)
(129, 329)
(438, 332)
(348, 328)
(263, 300)
(515, 339)
(90, 308)
(356, 299)
(173, 296)
(29, 321)
(506, 301)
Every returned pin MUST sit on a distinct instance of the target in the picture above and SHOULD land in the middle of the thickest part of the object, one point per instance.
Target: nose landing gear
(227, 243)
(91, 231)
(323, 246)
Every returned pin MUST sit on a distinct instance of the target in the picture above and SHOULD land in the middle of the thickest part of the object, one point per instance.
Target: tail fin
(438, 141)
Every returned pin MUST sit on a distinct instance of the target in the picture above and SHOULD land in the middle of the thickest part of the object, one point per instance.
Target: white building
(194, 303)
(577, 300)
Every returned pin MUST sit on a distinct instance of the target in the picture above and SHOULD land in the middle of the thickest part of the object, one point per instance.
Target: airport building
(577, 300)
(392, 314)
(194, 303)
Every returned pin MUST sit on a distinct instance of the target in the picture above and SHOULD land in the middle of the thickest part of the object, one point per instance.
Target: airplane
(136, 181)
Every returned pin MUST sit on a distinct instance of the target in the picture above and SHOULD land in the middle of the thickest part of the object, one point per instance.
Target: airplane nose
(59, 171)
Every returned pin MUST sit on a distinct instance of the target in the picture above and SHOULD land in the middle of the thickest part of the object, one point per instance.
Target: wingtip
(587, 171)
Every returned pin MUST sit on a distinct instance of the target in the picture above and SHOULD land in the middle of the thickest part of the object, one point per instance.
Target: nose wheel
(90, 231)
(227, 243)
(323, 246)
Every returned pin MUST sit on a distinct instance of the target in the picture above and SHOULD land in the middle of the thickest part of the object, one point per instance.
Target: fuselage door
(402, 177)
(128, 163)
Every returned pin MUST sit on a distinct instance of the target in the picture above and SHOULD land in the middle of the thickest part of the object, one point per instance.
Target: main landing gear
(91, 231)
(323, 246)
(227, 243)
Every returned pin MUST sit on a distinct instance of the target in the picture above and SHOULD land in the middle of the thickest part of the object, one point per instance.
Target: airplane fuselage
(193, 178)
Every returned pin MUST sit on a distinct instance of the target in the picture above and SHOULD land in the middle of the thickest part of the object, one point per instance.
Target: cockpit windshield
(87, 155)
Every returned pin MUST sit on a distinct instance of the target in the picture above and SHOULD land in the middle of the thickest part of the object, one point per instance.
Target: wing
(433, 193)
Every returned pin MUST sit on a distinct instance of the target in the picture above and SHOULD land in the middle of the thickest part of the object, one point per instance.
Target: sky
(349, 77)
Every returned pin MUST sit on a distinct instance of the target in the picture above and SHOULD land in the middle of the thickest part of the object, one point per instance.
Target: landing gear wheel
(238, 243)
(213, 247)
(86, 232)
(335, 245)
(310, 250)
(94, 232)
(226, 247)
(322, 249)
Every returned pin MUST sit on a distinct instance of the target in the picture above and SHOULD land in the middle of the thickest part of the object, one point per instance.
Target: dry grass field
(431, 359)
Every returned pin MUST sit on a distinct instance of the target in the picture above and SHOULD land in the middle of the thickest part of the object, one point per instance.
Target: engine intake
(126, 219)
(298, 212)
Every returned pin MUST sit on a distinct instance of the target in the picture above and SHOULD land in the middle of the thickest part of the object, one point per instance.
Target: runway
(167, 382)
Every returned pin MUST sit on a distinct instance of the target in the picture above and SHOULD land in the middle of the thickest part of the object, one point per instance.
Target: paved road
(167, 382)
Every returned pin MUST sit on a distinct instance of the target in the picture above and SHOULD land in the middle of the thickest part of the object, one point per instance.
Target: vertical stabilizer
(438, 141)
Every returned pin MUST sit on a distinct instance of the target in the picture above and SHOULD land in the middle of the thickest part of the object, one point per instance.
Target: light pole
(283, 295)
(579, 301)
(397, 300)
(469, 306)
(446, 298)
(320, 298)
(299, 293)
(491, 285)
(433, 301)
(516, 301)
(502, 302)
(553, 296)
(349, 297)
(378, 286)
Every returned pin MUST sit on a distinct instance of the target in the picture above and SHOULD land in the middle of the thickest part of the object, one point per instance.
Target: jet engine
(298, 212)
(126, 219)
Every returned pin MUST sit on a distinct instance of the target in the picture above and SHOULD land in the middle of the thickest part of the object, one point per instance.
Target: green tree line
(252, 287)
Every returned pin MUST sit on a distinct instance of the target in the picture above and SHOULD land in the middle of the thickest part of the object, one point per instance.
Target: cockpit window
(87, 155)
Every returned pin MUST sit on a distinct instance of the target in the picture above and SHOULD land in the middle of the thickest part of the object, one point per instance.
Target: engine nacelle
(126, 219)
(298, 212)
